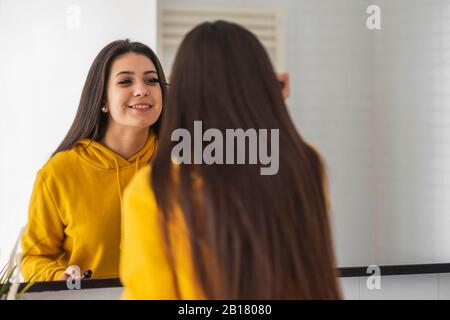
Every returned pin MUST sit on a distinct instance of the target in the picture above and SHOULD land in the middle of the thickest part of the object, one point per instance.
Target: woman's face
(133, 97)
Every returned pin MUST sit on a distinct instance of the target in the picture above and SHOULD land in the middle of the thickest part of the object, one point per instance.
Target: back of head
(253, 236)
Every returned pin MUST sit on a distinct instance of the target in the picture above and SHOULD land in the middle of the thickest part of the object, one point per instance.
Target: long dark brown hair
(90, 122)
(251, 236)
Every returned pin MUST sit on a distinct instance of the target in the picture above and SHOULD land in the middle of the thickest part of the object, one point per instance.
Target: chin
(143, 125)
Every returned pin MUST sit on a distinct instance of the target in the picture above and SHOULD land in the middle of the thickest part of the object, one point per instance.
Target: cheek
(158, 96)
(156, 114)
(118, 101)
(159, 110)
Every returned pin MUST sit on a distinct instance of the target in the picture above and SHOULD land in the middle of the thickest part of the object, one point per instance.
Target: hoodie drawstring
(137, 166)
(119, 189)
(118, 181)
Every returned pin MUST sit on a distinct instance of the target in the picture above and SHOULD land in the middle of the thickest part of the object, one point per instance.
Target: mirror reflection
(362, 131)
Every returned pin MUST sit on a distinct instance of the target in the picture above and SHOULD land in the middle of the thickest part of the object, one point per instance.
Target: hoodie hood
(102, 157)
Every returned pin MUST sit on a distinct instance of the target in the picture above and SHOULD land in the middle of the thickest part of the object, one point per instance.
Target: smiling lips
(141, 107)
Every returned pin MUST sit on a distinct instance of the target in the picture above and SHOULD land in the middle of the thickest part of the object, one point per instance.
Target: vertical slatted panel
(176, 20)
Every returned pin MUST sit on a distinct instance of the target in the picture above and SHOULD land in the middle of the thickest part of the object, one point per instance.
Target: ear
(105, 107)
(285, 83)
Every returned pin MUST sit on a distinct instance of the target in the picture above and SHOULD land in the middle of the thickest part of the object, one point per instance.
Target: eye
(124, 82)
(152, 81)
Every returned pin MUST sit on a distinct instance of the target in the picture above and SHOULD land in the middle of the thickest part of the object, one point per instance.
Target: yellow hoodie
(74, 214)
(144, 268)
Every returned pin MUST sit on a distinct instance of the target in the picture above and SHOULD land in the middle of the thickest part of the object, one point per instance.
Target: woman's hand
(283, 78)
(72, 272)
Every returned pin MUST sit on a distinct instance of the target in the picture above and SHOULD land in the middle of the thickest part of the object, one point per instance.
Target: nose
(140, 90)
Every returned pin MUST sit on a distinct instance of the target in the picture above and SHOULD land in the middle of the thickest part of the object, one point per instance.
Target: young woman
(75, 209)
(221, 231)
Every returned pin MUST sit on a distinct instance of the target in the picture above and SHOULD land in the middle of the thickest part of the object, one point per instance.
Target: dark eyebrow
(130, 72)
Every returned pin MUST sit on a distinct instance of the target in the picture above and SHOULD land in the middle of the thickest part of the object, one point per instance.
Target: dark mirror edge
(345, 272)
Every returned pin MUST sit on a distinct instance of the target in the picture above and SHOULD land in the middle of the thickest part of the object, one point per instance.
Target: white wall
(377, 105)
(412, 67)
(43, 66)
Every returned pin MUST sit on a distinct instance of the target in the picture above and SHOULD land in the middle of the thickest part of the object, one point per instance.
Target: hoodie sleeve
(43, 236)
